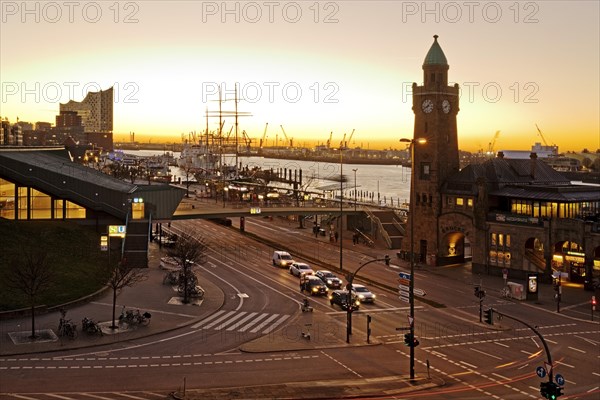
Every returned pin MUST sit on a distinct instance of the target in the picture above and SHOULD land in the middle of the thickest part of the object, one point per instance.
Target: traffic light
(594, 304)
(387, 259)
(479, 292)
(544, 390)
(488, 316)
(410, 340)
(550, 390)
(559, 392)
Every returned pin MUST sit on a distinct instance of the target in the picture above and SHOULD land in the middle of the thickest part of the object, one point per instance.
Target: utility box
(516, 291)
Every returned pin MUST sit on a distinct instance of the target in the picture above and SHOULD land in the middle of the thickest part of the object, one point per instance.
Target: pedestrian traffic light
(488, 316)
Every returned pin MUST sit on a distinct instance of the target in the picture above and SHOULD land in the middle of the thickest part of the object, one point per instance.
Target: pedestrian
(336, 235)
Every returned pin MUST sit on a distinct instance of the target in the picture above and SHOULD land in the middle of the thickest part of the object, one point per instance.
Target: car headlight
(374, 296)
(361, 296)
(315, 289)
(357, 303)
(329, 281)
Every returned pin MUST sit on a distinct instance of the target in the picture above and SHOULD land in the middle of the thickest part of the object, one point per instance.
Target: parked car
(313, 285)
(299, 269)
(329, 278)
(363, 294)
(282, 259)
(342, 299)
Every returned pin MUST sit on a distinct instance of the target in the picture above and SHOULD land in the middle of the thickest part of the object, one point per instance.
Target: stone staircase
(391, 225)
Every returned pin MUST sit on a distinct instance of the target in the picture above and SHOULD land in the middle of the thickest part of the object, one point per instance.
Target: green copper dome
(435, 55)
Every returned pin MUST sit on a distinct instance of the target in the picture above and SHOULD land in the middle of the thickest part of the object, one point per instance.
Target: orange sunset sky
(314, 67)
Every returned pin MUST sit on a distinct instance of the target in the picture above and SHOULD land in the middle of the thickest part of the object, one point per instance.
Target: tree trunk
(32, 320)
(114, 306)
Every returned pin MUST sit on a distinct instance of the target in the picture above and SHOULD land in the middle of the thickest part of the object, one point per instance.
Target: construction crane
(263, 136)
(291, 141)
(491, 145)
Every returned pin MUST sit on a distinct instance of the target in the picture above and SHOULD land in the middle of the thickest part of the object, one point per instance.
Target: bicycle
(505, 292)
(134, 318)
(90, 327)
(67, 328)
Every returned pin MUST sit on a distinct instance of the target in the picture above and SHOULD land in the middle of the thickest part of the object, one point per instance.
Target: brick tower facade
(435, 105)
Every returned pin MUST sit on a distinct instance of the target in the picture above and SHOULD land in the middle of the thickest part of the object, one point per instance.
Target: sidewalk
(149, 295)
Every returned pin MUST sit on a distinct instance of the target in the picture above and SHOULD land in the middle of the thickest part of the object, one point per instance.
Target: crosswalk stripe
(255, 321)
(205, 320)
(224, 324)
(276, 324)
(239, 323)
(263, 324)
(224, 317)
(242, 321)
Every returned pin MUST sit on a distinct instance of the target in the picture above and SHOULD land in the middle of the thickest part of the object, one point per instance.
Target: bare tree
(31, 275)
(187, 251)
(122, 276)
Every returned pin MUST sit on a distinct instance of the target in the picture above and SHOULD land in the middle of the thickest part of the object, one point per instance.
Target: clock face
(427, 106)
(446, 106)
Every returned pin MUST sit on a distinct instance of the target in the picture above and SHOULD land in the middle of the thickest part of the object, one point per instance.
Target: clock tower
(435, 105)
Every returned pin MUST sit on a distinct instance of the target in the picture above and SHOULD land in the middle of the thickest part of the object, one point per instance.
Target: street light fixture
(342, 148)
(411, 286)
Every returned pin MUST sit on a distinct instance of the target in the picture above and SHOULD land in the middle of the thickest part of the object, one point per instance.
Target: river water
(373, 182)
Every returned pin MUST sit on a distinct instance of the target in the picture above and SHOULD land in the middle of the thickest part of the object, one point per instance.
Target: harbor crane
(542, 136)
(263, 136)
(247, 140)
(349, 139)
(329, 140)
(491, 145)
(291, 141)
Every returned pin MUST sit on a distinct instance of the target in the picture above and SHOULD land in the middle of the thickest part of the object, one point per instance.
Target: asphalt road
(250, 335)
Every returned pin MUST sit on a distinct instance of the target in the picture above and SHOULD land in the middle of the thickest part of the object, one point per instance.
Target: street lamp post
(411, 286)
(350, 300)
(341, 204)
(354, 170)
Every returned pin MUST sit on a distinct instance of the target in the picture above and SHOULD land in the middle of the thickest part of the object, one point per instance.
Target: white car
(298, 269)
(363, 294)
(282, 259)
